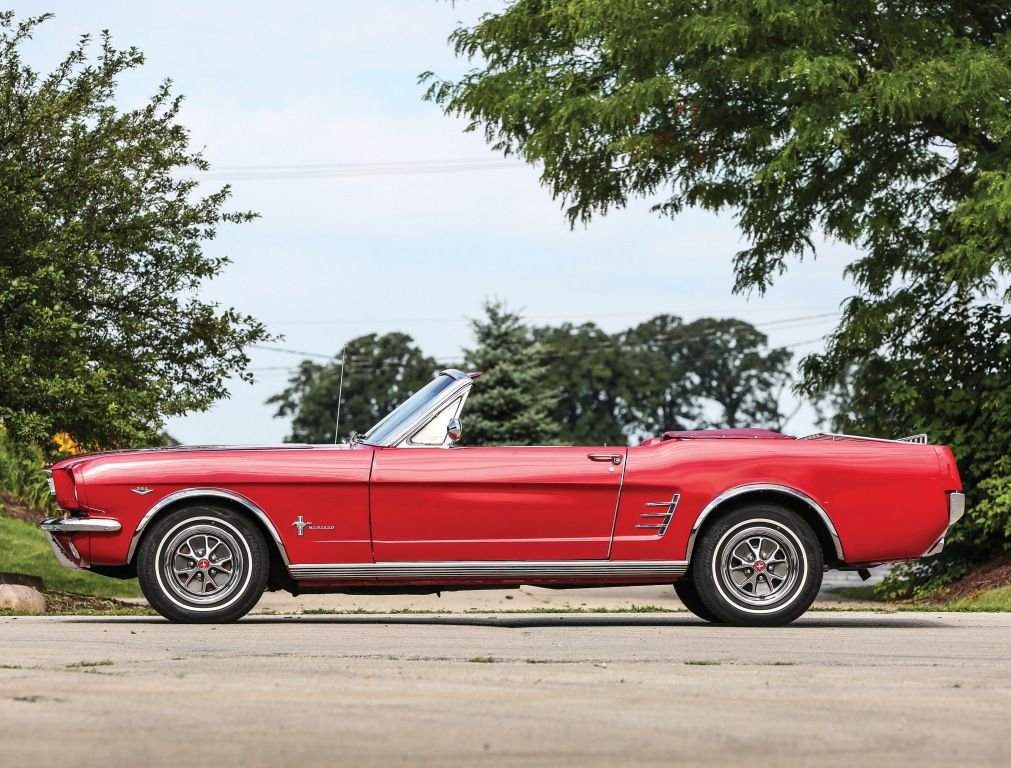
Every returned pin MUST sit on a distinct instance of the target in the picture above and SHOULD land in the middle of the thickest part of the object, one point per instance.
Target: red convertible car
(742, 522)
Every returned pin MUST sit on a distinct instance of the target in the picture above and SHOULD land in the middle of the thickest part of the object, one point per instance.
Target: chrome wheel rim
(759, 565)
(203, 563)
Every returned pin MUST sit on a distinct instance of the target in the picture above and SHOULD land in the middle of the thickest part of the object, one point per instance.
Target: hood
(73, 461)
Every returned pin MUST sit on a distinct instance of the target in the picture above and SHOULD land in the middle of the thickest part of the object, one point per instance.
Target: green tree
(512, 403)
(681, 372)
(732, 367)
(884, 125)
(380, 373)
(589, 373)
(662, 392)
(102, 333)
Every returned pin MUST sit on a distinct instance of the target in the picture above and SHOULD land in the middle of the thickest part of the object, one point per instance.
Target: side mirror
(454, 430)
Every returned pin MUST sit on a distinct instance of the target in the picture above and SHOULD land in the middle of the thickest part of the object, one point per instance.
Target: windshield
(407, 411)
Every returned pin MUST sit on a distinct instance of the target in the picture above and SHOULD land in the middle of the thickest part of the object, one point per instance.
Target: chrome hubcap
(203, 563)
(759, 565)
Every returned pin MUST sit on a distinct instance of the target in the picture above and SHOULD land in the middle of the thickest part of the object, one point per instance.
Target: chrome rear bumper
(66, 553)
(956, 508)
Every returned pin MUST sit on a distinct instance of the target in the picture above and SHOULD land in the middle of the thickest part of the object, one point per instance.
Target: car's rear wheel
(203, 564)
(689, 596)
(760, 565)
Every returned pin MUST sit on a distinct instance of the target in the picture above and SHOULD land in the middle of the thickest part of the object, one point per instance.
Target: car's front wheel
(203, 564)
(760, 565)
(689, 596)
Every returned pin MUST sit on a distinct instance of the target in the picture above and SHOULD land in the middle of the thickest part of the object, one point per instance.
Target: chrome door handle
(613, 458)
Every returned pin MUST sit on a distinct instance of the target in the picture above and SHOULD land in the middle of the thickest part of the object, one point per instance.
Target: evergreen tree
(512, 403)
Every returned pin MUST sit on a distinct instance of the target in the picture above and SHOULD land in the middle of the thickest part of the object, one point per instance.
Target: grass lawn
(998, 599)
(23, 549)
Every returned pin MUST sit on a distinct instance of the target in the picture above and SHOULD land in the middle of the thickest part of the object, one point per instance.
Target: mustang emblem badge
(142, 491)
(302, 524)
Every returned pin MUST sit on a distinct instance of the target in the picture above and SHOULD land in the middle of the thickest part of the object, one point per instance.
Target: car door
(496, 503)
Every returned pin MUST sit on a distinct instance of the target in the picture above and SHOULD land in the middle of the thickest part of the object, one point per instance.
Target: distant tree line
(558, 384)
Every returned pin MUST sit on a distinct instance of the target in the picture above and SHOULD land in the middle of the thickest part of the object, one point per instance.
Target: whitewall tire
(203, 564)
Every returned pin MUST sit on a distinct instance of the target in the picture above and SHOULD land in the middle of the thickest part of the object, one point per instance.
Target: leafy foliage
(685, 371)
(663, 374)
(102, 335)
(380, 373)
(22, 473)
(512, 403)
(882, 125)
(730, 365)
(589, 374)
(664, 396)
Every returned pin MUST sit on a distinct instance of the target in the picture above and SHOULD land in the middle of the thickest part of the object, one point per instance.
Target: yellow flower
(66, 444)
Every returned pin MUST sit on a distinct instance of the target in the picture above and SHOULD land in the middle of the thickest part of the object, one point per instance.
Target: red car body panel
(884, 501)
(548, 503)
(887, 501)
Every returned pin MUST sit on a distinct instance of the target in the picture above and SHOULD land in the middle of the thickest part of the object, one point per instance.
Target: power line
(355, 170)
(803, 343)
(287, 351)
(458, 318)
(603, 341)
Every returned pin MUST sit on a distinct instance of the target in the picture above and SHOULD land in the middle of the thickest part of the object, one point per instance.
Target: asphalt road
(651, 689)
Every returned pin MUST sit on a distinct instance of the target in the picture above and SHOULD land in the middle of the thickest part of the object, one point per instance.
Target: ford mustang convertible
(743, 522)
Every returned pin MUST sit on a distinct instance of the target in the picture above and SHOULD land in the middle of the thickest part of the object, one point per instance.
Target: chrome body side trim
(67, 554)
(217, 493)
(740, 490)
(521, 571)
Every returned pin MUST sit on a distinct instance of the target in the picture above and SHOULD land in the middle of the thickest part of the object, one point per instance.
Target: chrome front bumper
(66, 553)
(956, 508)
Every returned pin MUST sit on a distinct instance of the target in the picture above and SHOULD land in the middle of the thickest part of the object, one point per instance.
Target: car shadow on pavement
(511, 621)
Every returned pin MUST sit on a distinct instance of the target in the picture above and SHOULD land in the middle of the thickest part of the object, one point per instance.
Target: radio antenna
(340, 392)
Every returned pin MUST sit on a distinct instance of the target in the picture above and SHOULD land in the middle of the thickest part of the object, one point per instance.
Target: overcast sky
(342, 251)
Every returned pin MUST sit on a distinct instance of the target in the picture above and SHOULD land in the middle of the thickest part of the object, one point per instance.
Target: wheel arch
(809, 510)
(218, 496)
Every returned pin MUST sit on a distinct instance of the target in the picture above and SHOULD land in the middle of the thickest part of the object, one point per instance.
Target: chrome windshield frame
(459, 388)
